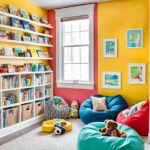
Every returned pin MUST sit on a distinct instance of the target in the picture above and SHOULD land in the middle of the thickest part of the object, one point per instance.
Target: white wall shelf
(25, 43)
(28, 20)
(23, 30)
(25, 58)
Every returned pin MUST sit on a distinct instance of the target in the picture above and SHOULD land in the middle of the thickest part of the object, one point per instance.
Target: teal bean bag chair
(90, 138)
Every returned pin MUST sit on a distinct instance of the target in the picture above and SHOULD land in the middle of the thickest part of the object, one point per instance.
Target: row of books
(26, 80)
(26, 95)
(9, 99)
(22, 13)
(26, 37)
(39, 93)
(18, 52)
(9, 82)
(42, 79)
(28, 67)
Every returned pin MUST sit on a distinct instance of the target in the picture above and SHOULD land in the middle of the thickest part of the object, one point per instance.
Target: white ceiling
(51, 4)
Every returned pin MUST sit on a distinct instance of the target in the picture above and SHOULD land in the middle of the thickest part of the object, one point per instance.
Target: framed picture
(110, 48)
(112, 80)
(136, 73)
(134, 38)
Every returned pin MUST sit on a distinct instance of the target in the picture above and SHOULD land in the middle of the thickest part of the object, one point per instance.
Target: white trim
(75, 11)
(134, 81)
(104, 48)
(75, 85)
(14, 128)
(110, 86)
(69, 12)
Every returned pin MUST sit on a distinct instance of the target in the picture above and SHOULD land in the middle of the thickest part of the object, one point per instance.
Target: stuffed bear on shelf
(112, 130)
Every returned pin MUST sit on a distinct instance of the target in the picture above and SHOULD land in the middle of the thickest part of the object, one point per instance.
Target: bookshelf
(23, 94)
(46, 85)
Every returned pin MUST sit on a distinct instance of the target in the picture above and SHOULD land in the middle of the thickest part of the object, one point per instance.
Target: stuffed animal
(73, 111)
(60, 128)
(111, 129)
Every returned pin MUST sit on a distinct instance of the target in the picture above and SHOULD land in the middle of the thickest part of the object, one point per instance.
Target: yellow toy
(48, 125)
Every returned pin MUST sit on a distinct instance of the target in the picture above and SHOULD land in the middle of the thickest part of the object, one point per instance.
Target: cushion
(99, 104)
(90, 138)
(138, 121)
(115, 104)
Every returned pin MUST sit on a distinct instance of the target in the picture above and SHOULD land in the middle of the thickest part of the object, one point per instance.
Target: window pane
(67, 55)
(76, 55)
(84, 37)
(75, 37)
(84, 72)
(67, 26)
(84, 25)
(76, 72)
(84, 54)
(75, 25)
(67, 38)
(67, 72)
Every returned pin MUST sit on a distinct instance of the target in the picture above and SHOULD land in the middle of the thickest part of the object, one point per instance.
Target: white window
(75, 47)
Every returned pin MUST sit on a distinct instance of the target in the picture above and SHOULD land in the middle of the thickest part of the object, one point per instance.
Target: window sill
(75, 85)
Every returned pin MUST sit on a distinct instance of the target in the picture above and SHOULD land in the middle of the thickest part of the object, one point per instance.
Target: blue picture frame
(134, 38)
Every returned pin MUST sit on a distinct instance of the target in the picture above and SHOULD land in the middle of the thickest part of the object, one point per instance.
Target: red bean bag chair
(138, 121)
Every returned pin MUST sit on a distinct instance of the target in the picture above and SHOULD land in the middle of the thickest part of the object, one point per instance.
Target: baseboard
(149, 138)
(14, 128)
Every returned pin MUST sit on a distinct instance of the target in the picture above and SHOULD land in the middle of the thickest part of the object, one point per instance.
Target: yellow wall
(114, 18)
(31, 8)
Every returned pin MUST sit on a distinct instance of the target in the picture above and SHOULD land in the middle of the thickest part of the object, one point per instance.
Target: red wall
(67, 93)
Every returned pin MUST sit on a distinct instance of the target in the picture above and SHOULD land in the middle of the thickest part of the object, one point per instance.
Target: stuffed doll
(111, 129)
(73, 111)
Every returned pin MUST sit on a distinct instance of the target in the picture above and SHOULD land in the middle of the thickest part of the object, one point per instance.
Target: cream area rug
(35, 140)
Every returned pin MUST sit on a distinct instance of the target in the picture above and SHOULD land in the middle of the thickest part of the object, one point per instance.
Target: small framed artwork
(136, 73)
(110, 48)
(134, 38)
(112, 80)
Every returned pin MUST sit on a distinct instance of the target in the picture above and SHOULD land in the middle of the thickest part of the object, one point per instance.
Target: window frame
(71, 12)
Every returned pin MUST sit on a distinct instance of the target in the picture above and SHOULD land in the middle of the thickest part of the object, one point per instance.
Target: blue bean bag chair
(90, 138)
(115, 104)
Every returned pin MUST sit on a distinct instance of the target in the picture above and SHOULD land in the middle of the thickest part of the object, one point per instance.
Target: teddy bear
(111, 129)
(73, 110)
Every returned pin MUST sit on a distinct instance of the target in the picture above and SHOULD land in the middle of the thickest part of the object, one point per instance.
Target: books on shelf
(25, 81)
(3, 34)
(9, 99)
(33, 52)
(13, 10)
(24, 13)
(9, 82)
(26, 94)
(6, 52)
(27, 67)
(39, 93)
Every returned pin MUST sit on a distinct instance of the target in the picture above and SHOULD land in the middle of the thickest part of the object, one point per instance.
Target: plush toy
(73, 111)
(60, 128)
(111, 129)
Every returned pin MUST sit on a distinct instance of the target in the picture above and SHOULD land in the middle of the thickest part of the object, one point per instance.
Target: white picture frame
(110, 48)
(136, 73)
(112, 80)
(134, 38)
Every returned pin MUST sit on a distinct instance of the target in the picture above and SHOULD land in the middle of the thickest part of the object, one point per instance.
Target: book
(33, 52)
(18, 52)
(15, 22)
(40, 53)
(16, 36)
(3, 34)
(4, 8)
(13, 10)
(3, 20)
(24, 13)
(34, 17)
(8, 52)
(44, 20)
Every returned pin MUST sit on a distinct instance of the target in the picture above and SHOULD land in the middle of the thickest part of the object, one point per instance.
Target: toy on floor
(111, 129)
(74, 110)
(58, 126)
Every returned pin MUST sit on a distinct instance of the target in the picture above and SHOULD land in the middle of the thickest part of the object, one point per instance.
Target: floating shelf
(25, 58)
(23, 30)
(26, 43)
(28, 20)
